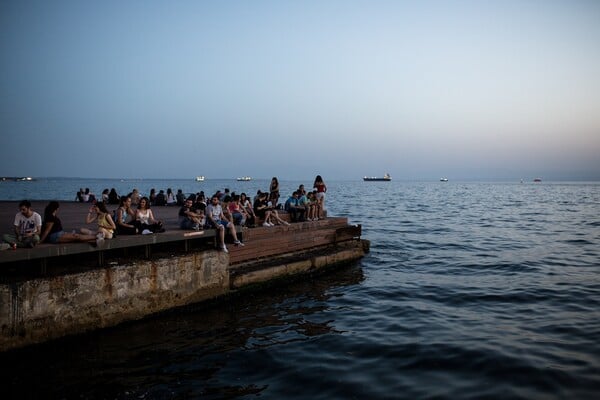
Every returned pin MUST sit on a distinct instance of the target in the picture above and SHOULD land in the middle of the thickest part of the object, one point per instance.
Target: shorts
(221, 222)
(54, 237)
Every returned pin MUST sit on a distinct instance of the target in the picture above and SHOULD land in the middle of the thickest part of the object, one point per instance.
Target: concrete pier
(57, 290)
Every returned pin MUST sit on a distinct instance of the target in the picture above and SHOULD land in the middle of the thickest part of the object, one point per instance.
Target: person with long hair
(125, 218)
(106, 225)
(274, 192)
(144, 218)
(321, 189)
(52, 229)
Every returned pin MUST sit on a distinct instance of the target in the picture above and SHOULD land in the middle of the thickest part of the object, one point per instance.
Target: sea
(471, 290)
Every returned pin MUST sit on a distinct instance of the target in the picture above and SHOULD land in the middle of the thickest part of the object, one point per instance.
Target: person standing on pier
(216, 219)
(27, 226)
(321, 189)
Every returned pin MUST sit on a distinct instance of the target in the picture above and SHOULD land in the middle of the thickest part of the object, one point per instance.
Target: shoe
(196, 227)
(266, 224)
(224, 248)
(100, 236)
(286, 223)
(238, 243)
(146, 232)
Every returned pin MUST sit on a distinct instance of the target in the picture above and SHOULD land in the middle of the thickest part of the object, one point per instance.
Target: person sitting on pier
(237, 212)
(144, 219)
(106, 225)
(216, 219)
(247, 206)
(79, 195)
(190, 218)
(314, 206)
(52, 229)
(171, 200)
(27, 227)
(135, 197)
(89, 197)
(303, 201)
(105, 196)
(262, 210)
(113, 197)
(161, 198)
(152, 197)
(125, 218)
(180, 197)
(295, 210)
(200, 203)
(265, 211)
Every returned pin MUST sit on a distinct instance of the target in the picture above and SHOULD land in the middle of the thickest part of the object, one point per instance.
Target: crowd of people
(134, 214)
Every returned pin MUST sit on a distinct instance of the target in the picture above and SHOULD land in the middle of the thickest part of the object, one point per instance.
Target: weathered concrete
(41, 309)
(38, 310)
(80, 288)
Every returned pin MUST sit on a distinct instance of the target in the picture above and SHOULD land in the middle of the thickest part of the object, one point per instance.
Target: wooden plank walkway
(261, 242)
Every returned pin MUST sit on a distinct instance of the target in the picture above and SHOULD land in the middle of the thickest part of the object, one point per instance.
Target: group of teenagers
(223, 212)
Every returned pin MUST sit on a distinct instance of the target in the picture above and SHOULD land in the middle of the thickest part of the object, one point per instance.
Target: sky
(419, 89)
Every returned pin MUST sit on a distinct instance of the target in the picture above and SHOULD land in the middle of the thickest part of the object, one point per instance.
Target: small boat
(385, 178)
(443, 179)
(537, 180)
(244, 178)
(200, 178)
(17, 178)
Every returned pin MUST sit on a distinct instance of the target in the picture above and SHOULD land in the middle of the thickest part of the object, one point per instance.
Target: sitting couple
(130, 222)
(191, 218)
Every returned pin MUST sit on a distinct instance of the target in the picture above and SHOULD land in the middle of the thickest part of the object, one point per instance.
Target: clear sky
(419, 89)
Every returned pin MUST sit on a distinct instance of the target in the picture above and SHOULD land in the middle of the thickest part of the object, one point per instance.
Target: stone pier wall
(42, 309)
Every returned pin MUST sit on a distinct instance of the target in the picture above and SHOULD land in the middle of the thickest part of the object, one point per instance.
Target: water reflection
(190, 352)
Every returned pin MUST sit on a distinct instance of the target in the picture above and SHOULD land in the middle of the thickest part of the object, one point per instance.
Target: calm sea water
(471, 290)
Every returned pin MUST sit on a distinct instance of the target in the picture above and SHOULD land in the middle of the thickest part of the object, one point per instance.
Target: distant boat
(386, 178)
(17, 179)
(244, 178)
(443, 179)
(200, 178)
(537, 180)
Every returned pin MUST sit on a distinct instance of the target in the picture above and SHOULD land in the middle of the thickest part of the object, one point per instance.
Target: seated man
(27, 226)
(216, 219)
(295, 210)
(190, 218)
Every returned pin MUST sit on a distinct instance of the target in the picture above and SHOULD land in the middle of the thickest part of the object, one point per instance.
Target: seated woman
(125, 218)
(144, 218)
(113, 197)
(52, 230)
(247, 206)
(262, 210)
(237, 212)
(106, 225)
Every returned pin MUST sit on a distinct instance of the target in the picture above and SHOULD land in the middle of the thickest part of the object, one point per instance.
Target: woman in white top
(171, 199)
(144, 219)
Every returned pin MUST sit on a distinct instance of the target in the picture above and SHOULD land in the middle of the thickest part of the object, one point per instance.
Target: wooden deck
(261, 243)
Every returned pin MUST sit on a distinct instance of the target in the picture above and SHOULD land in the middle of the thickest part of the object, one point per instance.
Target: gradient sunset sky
(419, 89)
